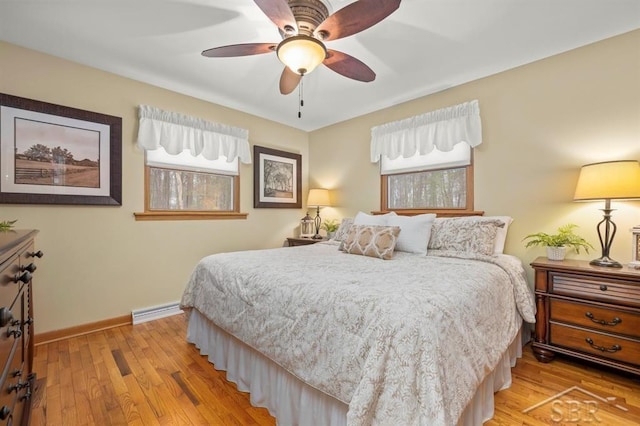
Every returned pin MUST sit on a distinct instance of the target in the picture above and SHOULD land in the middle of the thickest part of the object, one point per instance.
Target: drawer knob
(5, 317)
(4, 412)
(30, 267)
(614, 348)
(611, 323)
(25, 277)
(15, 333)
(17, 386)
(37, 254)
(603, 287)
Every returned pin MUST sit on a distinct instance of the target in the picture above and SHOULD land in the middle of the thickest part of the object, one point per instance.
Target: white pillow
(369, 219)
(414, 232)
(501, 236)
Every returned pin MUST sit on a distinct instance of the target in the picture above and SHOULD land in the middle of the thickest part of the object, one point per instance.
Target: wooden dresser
(17, 265)
(589, 312)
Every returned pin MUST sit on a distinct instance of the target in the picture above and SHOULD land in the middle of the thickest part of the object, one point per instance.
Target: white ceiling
(424, 47)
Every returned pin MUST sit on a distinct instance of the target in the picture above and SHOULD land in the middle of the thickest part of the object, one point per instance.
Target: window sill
(178, 215)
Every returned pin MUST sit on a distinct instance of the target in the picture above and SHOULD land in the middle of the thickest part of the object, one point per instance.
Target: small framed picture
(277, 179)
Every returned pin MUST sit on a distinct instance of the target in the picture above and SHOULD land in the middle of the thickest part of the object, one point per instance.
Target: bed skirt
(293, 402)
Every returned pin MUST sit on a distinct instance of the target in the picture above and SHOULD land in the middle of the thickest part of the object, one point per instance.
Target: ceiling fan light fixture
(301, 53)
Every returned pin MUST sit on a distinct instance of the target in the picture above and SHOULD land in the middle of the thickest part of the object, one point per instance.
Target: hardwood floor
(148, 375)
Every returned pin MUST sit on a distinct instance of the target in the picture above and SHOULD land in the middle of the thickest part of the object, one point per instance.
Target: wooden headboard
(439, 213)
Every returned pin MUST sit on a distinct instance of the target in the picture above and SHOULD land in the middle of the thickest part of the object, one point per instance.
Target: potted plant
(7, 225)
(331, 226)
(557, 244)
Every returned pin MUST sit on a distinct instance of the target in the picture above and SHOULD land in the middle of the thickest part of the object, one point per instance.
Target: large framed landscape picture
(53, 154)
(277, 178)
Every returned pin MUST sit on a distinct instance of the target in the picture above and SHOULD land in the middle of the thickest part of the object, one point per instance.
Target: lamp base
(317, 237)
(606, 262)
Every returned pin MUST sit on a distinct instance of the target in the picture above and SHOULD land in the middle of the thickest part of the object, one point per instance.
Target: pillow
(501, 236)
(369, 219)
(415, 232)
(371, 240)
(343, 229)
(465, 234)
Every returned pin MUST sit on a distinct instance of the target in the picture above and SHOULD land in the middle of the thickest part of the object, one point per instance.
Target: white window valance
(441, 129)
(177, 132)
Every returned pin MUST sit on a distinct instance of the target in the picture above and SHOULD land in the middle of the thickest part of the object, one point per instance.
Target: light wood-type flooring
(148, 375)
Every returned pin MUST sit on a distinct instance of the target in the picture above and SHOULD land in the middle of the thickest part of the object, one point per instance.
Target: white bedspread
(402, 341)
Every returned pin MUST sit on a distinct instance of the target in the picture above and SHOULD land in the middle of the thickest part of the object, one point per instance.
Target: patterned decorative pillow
(343, 229)
(465, 234)
(372, 240)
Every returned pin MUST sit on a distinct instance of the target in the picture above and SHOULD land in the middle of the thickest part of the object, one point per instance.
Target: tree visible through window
(437, 189)
(435, 181)
(191, 191)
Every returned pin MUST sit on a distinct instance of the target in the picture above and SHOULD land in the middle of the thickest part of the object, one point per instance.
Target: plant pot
(330, 235)
(556, 253)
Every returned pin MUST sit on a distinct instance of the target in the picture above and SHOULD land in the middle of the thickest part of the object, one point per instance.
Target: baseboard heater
(156, 312)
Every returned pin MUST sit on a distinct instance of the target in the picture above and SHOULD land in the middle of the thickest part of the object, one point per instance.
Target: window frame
(444, 212)
(149, 214)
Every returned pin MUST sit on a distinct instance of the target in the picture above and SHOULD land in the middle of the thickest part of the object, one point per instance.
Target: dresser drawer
(8, 396)
(11, 331)
(606, 290)
(600, 318)
(8, 286)
(593, 342)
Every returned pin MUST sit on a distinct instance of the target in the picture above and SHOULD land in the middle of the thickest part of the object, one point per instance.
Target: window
(182, 185)
(426, 160)
(435, 181)
(186, 183)
(185, 190)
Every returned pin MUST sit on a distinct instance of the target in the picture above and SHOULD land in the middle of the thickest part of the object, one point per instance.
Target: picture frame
(277, 178)
(54, 154)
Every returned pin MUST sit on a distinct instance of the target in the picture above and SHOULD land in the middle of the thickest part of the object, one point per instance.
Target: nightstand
(589, 312)
(301, 241)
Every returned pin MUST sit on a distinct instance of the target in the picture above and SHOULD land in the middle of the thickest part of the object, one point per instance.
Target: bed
(321, 336)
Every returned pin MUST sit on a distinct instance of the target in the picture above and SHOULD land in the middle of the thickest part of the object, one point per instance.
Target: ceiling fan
(304, 26)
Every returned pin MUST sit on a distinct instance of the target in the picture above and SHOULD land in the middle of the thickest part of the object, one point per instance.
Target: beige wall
(99, 262)
(541, 122)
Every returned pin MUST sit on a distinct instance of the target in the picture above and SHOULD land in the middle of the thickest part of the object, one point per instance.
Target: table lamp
(611, 180)
(318, 198)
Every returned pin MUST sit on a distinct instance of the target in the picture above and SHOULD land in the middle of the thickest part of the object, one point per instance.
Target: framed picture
(277, 179)
(53, 154)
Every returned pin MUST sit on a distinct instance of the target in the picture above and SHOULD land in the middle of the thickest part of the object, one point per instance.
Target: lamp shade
(318, 197)
(608, 180)
(301, 53)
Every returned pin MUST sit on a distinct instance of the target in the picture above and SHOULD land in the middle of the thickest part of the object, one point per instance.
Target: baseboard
(79, 330)
(156, 312)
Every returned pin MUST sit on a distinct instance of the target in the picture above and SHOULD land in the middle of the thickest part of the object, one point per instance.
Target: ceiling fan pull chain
(301, 101)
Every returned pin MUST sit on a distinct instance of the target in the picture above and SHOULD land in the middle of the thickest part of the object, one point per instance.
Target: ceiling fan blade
(280, 13)
(289, 80)
(348, 66)
(240, 50)
(355, 17)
